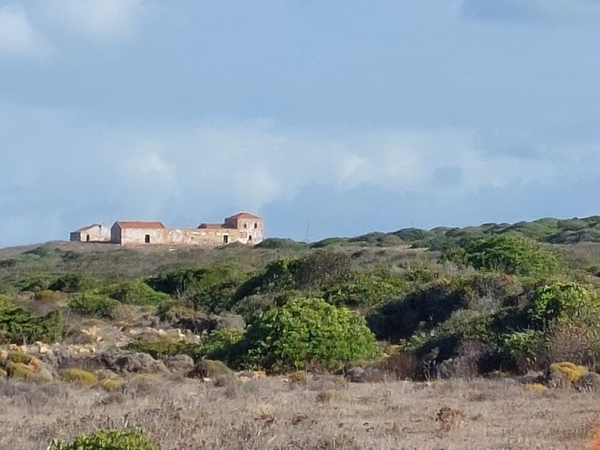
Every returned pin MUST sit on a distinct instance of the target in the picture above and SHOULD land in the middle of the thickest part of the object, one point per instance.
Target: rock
(195, 325)
(209, 369)
(589, 382)
(366, 375)
(179, 363)
(129, 362)
(355, 374)
(559, 380)
(531, 377)
(233, 322)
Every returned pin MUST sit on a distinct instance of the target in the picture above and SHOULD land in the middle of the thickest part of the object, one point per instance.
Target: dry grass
(322, 414)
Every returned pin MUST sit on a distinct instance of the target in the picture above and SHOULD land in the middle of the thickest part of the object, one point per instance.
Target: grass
(270, 414)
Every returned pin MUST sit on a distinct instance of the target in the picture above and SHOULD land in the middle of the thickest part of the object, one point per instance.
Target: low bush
(572, 371)
(94, 304)
(19, 326)
(128, 439)
(509, 253)
(306, 332)
(137, 292)
(82, 377)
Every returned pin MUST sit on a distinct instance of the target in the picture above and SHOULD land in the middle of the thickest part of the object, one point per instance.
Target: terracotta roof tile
(141, 225)
(244, 215)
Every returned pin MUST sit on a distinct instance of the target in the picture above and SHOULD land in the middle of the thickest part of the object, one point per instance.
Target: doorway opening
(147, 239)
(87, 238)
(225, 239)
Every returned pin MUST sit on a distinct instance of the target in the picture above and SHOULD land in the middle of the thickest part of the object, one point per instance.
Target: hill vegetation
(413, 304)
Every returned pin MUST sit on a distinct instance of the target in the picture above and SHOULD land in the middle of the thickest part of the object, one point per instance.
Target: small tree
(308, 331)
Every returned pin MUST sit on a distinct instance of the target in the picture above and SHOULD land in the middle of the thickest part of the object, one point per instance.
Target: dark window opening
(87, 238)
(147, 239)
(245, 225)
(255, 225)
(249, 238)
(225, 239)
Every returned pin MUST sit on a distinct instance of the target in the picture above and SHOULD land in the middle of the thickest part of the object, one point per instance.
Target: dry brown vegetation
(323, 413)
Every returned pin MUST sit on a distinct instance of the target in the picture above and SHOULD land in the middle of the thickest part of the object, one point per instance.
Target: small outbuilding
(92, 233)
(127, 232)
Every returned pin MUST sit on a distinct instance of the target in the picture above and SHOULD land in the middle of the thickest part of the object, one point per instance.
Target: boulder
(589, 382)
(209, 369)
(233, 322)
(195, 325)
(179, 363)
(132, 362)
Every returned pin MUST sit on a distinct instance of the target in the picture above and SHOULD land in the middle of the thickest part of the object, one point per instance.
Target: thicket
(18, 325)
(499, 296)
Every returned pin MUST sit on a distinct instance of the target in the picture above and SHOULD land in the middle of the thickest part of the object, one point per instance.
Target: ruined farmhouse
(244, 228)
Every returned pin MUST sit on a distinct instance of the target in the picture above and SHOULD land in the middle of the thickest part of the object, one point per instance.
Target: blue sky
(326, 118)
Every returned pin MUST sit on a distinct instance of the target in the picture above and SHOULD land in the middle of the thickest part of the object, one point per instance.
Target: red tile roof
(141, 225)
(244, 215)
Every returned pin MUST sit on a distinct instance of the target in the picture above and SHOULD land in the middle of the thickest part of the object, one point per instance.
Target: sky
(331, 118)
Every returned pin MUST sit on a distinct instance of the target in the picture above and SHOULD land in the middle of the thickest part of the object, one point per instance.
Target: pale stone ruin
(244, 228)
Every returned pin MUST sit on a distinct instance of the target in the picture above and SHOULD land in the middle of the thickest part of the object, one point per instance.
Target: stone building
(244, 228)
(92, 233)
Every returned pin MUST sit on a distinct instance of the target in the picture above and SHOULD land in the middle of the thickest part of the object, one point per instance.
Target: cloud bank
(206, 169)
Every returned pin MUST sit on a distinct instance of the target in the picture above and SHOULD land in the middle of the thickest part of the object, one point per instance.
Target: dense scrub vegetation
(495, 297)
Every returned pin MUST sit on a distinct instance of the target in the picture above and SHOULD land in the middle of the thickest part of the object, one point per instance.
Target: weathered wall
(244, 230)
(95, 233)
(185, 236)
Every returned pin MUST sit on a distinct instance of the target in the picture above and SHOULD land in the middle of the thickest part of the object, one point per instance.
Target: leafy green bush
(93, 304)
(128, 439)
(18, 325)
(307, 331)
(319, 270)
(137, 292)
(367, 289)
(281, 244)
(209, 287)
(73, 282)
(563, 302)
(508, 253)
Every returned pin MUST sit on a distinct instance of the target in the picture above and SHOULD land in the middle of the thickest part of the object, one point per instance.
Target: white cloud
(100, 20)
(18, 37)
(80, 172)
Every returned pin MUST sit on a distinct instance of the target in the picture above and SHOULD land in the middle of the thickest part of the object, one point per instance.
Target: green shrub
(320, 270)
(73, 282)
(93, 304)
(128, 439)
(368, 289)
(18, 325)
(281, 244)
(509, 253)
(562, 302)
(209, 287)
(83, 377)
(137, 292)
(307, 331)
